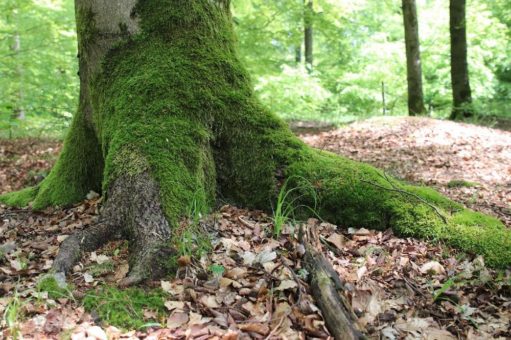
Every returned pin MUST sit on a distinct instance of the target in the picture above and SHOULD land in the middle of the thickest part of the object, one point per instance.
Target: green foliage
(288, 203)
(359, 45)
(124, 308)
(217, 270)
(98, 269)
(192, 241)
(37, 67)
(12, 316)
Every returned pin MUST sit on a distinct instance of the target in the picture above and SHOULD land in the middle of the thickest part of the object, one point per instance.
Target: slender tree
(309, 33)
(461, 92)
(298, 54)
(413, 59)
(168, 120)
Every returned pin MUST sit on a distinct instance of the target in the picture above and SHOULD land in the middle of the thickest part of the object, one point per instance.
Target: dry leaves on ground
(434, 152)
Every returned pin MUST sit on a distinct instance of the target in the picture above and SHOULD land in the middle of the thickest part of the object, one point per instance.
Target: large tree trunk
(413, 59)
(168, 120)
(461, 92)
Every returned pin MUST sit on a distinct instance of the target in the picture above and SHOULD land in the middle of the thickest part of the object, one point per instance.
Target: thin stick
(394, 189)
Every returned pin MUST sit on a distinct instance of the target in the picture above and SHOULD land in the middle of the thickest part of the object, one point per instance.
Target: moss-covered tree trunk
(168, 120)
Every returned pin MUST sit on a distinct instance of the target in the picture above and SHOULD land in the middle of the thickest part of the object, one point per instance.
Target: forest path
(468, 163)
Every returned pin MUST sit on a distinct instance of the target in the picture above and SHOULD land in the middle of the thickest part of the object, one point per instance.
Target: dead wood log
(327, 290)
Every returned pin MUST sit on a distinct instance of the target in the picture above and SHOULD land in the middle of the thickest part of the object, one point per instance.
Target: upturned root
(133, 212)
(86, 240)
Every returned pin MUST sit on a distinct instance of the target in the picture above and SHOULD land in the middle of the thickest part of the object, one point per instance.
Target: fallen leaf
(337, 240)
(287, 284)
(177, 319)
(432, 267)
(171, 305)
(236, 273)
(209, 301)
(258, 328)
(97, 333)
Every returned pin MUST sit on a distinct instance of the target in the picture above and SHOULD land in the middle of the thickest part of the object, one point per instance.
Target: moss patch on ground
(460, 183)
(50, 285)
(125, 308)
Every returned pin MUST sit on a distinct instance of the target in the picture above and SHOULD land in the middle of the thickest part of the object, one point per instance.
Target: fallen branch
(327, 291)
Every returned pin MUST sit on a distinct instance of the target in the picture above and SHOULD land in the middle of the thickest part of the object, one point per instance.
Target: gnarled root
(89, 239)
(133, 212)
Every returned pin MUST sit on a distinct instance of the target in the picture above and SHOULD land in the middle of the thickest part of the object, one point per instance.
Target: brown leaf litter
(399, 288)
(433, 152)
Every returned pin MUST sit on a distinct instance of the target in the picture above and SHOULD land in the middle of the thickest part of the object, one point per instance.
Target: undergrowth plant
(288, 203)
(50, 285)
(12, 315)
(191, 238)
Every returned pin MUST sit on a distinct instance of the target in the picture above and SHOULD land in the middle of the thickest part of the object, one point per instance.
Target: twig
(394, 189)
(274, 330)
(297, 280)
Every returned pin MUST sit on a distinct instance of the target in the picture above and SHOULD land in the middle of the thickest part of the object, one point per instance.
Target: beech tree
(167, 119)
(413, 59)
(461, 92)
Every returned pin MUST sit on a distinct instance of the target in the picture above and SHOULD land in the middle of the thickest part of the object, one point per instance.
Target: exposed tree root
(89, 239)
(132, 212)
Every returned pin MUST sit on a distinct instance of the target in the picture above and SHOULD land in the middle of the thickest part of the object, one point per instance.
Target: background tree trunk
(309, 34)
(413, 59)
(461, 92)
(298, 54)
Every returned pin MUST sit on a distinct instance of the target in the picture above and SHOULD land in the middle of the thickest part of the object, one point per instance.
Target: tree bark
(413, 59)
(309, 34)
(168, 120)
(461, 92)
(298, 54)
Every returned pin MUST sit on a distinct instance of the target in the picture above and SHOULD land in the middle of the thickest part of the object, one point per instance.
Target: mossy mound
(50, 285)
(354, 194)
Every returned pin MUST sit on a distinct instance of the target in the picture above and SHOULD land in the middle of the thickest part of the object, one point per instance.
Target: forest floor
(252, 283)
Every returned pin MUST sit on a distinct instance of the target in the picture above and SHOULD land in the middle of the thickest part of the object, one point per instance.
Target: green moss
(459, 183)
(356, 195)
(49, 284)
(159, 95)
(124, 308)
(19, 198)
(101, 269)
(86, 27)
